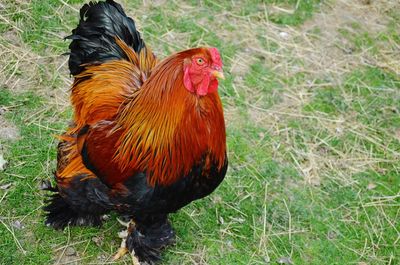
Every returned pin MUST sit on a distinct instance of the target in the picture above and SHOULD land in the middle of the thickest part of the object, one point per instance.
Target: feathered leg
(145, 238)
(123, 249)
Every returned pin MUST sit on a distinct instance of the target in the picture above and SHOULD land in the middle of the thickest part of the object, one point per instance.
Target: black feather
(60, 214)
(93, 41)
(83, 202)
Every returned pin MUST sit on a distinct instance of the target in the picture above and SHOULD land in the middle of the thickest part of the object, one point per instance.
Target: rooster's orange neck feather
(166, 130)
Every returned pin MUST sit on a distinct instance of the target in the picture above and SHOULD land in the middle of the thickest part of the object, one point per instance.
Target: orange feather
(100, 91)
(155, 125)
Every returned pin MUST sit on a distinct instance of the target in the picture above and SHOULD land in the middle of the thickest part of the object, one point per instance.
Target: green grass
(314, 158)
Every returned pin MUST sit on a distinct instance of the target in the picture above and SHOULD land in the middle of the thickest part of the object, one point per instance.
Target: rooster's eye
(200, 61)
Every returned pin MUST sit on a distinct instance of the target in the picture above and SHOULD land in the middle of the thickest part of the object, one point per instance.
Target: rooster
(147, 137)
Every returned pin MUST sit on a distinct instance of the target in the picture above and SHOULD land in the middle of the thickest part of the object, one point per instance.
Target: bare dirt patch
(67, 255)
(8, 131)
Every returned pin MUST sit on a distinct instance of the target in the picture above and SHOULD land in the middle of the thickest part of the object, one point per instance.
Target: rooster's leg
(150, 235)
(123, 248)
(145, 237)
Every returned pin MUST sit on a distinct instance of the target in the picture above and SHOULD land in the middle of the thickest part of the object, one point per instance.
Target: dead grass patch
(325, 57)
(23, 70)
(19, 70)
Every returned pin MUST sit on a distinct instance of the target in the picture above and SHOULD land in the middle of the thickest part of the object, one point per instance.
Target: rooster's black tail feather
(93, 41)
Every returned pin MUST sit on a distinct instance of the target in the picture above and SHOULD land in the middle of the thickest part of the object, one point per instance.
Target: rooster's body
(147, 138)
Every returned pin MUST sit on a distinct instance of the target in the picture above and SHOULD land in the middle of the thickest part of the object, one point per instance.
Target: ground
(312, 106)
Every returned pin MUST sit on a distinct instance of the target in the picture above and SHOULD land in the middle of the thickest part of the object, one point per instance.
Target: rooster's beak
(218, 74)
